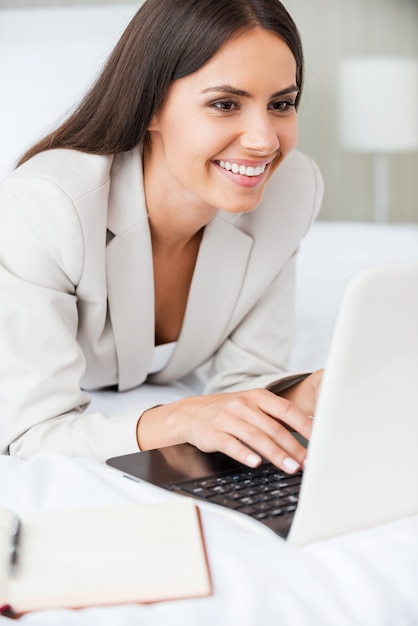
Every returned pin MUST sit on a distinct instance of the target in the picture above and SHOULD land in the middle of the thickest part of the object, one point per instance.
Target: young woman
(163, 219)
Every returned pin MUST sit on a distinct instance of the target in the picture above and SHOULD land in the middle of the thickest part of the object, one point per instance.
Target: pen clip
(15, 537)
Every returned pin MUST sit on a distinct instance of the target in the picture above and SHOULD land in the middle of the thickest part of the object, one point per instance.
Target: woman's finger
(240, 430)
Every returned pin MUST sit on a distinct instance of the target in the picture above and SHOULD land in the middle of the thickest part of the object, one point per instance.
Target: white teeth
(242, 169)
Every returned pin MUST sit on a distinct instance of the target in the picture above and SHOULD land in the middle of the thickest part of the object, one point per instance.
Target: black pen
(15, 535)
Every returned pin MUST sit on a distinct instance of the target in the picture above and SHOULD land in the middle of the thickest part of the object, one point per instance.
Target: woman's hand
(305, 393)
(245, 425)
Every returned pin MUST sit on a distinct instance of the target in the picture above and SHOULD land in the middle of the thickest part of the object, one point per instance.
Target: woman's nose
(260, 135)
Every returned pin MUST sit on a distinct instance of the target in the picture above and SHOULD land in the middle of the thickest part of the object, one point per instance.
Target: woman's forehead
(254, 53)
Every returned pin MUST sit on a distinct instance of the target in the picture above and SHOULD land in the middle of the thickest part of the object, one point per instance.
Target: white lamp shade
(378, 104)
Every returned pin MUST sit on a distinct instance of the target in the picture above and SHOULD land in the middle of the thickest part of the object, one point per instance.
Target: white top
(162, 355)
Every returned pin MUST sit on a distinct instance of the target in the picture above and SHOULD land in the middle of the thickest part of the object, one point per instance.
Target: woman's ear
(153, 125)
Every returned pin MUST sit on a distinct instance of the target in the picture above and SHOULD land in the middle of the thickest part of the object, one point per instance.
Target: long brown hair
(165, 40)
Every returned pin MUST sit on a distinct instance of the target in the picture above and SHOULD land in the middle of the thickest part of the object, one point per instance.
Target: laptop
(362, 461)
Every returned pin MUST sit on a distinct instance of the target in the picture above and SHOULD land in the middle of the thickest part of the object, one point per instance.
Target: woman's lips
(244, 170)
(244, 175)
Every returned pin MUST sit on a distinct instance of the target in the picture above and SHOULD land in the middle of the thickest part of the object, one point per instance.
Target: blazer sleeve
(256, 352)
(41, 363)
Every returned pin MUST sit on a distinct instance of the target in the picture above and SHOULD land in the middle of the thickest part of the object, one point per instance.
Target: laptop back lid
(362, 466)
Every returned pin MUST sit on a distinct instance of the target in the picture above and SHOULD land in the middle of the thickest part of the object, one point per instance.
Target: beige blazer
(77, 301)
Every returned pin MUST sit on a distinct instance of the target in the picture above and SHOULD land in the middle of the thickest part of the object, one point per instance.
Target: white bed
(369, 578)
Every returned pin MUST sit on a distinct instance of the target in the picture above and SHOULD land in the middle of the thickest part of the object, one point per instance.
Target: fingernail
(290, 464)
(311, 417)
(253, 460)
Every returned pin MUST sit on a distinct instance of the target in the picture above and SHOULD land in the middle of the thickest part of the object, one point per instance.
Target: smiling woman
(165, 212)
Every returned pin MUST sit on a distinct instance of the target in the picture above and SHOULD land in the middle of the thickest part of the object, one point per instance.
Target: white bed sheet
(368, 578)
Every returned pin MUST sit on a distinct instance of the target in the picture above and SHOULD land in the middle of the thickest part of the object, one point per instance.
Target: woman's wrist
(160, 426)
(138, 441)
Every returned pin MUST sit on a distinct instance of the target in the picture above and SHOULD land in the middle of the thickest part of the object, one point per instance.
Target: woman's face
(223, 130)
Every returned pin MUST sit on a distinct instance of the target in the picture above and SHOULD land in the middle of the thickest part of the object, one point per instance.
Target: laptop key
(200, 492)
(288, 481)
(293, 489)
(261, 515)
(230, 504)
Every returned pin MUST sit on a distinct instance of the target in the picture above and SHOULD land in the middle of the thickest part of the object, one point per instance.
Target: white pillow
(329, 255)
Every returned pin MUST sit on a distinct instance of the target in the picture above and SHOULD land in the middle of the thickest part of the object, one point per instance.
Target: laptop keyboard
(263, 492)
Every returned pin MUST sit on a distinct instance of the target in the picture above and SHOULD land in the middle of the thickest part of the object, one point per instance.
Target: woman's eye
(224, 105)
(283, 106)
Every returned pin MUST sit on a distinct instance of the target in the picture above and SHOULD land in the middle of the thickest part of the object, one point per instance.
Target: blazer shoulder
(74, 172)
(298, 184)
(302, 166)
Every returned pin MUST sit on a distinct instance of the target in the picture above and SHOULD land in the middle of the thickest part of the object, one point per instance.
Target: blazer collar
(126, 197)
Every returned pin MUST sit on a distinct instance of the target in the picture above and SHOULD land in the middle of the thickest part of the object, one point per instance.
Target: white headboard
(48, 57)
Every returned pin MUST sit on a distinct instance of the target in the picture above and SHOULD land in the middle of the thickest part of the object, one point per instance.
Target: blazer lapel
(130, 282)
(217, 280)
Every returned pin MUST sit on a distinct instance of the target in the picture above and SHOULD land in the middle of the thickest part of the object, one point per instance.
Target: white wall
(48, 58)
(331, 29)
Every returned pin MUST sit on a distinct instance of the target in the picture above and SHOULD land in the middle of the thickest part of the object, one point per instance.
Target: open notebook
(73, 558)
(362, 466)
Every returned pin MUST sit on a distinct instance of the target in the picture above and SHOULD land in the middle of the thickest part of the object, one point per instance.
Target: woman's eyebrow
(245, 94)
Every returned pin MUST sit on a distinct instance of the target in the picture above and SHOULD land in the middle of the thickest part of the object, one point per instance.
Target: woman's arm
(245, 425)
(41, 363)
